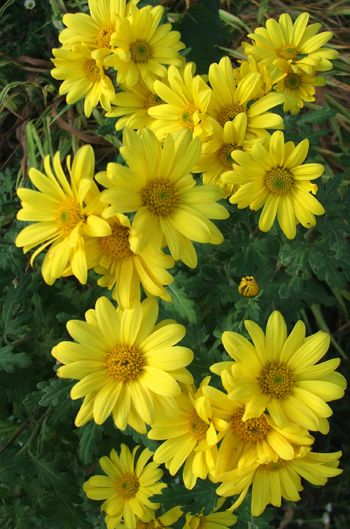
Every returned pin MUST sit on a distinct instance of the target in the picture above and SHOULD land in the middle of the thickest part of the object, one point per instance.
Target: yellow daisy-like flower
(122, 270)
(274, 177)
(127, 487)
(190, 437)
(280, 374)
(125, 363)
(157, 522)
(83, 77)
(214, 520)
(159, 187)
(132, 105)
(273, 481)
(186, 98)
(143, 47)
(63, 211)
(248, 287)
(270, 74)
(298, 43)
(229, 98)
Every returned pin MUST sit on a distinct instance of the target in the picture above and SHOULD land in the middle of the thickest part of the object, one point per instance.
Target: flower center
(187, 116)
(287, 53)
(117, 245)
(127, 485)
(277, 380)
(292, 81)
(92, 71)
(279, 181)
(230, 112)
(224, 154)
(68, 216)
(124, 363)
(273, 467)
(103, 36)
(252, 430)
(160, 196)
(197, 427)
(140, 51)
(152, 100)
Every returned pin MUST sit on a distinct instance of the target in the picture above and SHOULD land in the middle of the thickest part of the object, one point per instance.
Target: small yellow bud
(248, 287)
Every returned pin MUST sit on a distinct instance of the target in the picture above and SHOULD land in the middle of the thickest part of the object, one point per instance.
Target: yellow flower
(127, 487)
(248, 287)
(301, 45)
(126, 365)
(83, 77)
(159, 187)
(270, 74)
(63, 212)
(186, 97)
(214, 520)
(143, 46)
(157, 522)
(132, 105)
(122, 270)
(229, 98)
(274, 177)
(190, 437)
(273, 481)
(280, 374)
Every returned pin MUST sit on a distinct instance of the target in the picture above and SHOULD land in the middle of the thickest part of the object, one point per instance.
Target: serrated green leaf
(90, 437)
(181, 304)
(54, 391)
(10, 361)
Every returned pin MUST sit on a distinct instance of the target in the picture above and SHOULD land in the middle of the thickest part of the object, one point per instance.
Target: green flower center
(277, 380)
(140, 51)
(197, 427)
(127, 485)
(287, 53)
(124, 363)
(187, 116)
(160, 196)
(68, 216)
(279, 181)
(152, 100)
(292, 81)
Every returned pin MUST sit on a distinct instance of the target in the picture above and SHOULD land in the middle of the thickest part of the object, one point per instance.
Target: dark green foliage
(200, 499)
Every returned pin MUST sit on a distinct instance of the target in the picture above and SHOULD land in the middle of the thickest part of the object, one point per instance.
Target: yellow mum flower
(127, 487)
(273, 481)
(83, 77)
(298, 43)
(122, 270)
(143, 46)
(63, 211)
(190, 437)
(270, 74)
(125, 364)
(229, 98)
(248, 287)
(214, 520)
(280, 374)
(274, 177)
(159, 187)
(186, 97)
(157, 522)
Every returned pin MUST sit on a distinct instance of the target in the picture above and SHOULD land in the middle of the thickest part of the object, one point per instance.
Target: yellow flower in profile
(131, 106)
(280, 374)
(124, 362)
(213, 520)
(273, 481)
(157, 521)
(157, 185)
(127, 486)
(143, 47)
(301, 45)
(274, 177)
(248, 287)
(122, 270)
(63, 212)
(83, 77)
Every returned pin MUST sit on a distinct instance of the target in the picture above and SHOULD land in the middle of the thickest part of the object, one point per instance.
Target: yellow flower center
(187, 116)
(279, 181)
(92, 71)
(140, 51)
(252, 430)
(68, 216)
(197, 427)
(152, 100)
(292, 81)
(117, 245)
(230, 112)
(103, 36)
(287, 53)
(124, 363)
(127, 485)
(224, 154)
(277, 380)
(160, 196)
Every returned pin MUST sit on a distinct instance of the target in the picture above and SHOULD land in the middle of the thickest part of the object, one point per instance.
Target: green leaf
(54, 392)
(107, 127)
(9, 361)
(202, 498)
(90, 437)
(181, 304)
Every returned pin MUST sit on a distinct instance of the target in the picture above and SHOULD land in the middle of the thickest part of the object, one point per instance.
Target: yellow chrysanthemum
(143, 47)
(229, 98)
(83, 77)
(125, 364)
(190, 437)
(214, 520)
(157, 522)
(159, 187)
(122, 270)
(127, 487)
(186, 97)
(63, 211)
(301, 45)
(274, 481)
(132, 105)
(270, 74)
(248, 287)
(280, 374)
(274, 177)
